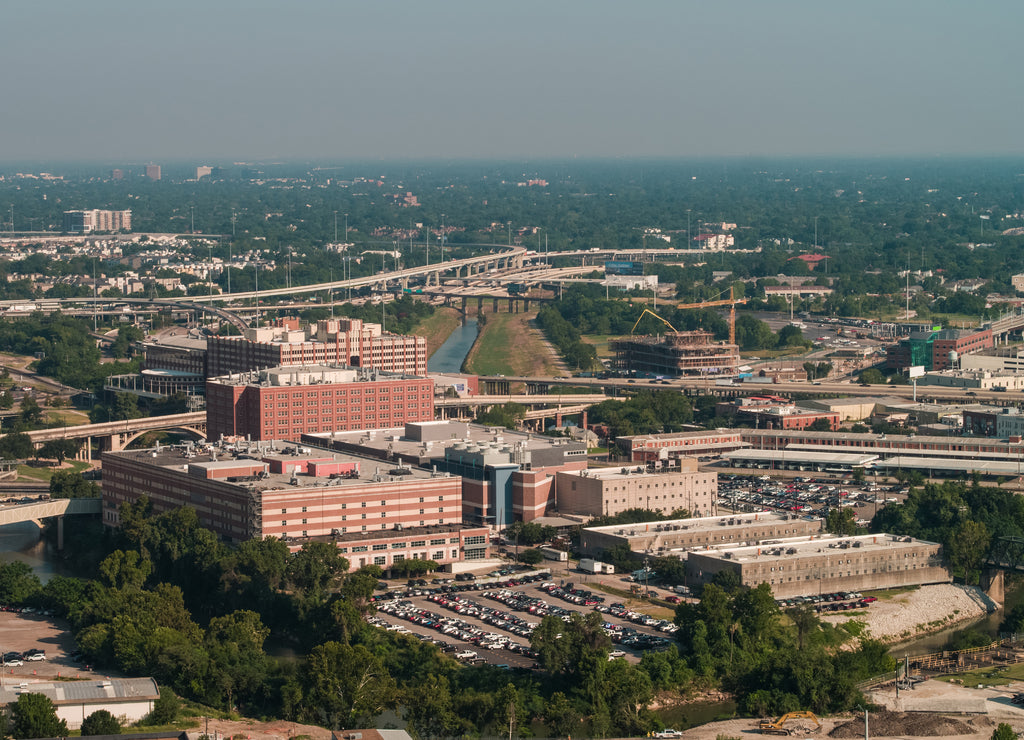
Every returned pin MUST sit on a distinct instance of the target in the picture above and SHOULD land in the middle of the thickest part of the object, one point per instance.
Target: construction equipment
(659, 318)
(731, 301)
(768, 726)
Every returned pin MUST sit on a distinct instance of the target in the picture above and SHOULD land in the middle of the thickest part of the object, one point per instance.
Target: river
(21, 542)
(449, 356)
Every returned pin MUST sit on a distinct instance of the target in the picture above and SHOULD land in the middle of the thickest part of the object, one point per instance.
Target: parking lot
(805, 495)
(491, 621)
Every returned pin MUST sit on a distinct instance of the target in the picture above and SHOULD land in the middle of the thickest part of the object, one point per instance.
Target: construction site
(678, 353)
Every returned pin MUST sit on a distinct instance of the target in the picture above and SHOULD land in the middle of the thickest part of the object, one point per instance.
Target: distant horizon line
(339, 162)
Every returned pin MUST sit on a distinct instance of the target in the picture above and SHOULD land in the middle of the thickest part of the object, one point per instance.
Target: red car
(673, 599)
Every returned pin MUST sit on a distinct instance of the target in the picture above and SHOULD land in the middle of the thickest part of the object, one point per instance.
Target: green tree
(842, 521)
(16, 446)
(316, 569)
(101, 722)
(35, 716)
(872, 376)
(967, 547)
(345, 686)
(60, 449)
(165, 709)
(1004, 732)
(70, 484)
(531, 556)
(17, 583)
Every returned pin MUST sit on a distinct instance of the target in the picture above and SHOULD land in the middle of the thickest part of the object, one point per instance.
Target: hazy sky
(332, 79)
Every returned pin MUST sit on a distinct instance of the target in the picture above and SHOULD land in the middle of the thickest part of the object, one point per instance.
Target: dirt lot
(23, 632)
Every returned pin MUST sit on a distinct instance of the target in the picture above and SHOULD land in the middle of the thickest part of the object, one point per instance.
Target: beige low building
(849, 409)
(130, 698)
(607, 491)
(806, 566)
(671, 538)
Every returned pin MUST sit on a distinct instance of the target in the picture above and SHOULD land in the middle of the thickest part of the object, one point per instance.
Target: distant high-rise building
(117, 174)
(86, 222)
(153, 171)
(203, 171)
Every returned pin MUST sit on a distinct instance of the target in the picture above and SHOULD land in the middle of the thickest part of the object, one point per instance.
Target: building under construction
(675, 353)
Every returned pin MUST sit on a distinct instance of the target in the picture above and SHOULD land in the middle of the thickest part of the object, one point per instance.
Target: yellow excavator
(768, 726)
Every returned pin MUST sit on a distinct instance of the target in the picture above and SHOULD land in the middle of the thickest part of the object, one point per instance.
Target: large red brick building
(376, 513)
(330, 342)
(286, 402)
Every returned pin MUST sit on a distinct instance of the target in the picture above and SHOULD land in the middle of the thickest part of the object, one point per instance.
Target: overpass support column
(479, 306)
(495, 305)
(405, 283)
(60, 533)
(558, 417)
(992, 583)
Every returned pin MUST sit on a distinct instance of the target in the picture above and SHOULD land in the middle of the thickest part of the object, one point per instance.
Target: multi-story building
(506, 475)
(815, 564)
(644, 448)
(932, 349)
(86, 222)
(375, 513)
(773, 412)
(153, 171)
(675, 353)
(290, 401)
(610, 491)
(203, 171)
(668, 538)
(715, 241)
(332, 341)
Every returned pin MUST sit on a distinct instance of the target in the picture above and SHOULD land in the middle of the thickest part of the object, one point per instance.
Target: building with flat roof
(73, 701)
(377, 513)
(932, 349)
(645, 448)
(609, 491)
(86, 222)
(675, 537)
(290, 401)
(153, 171)
(802, 566)
(331, 341)
(506, 475)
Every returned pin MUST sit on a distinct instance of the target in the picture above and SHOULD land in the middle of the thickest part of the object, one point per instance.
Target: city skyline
(526, 80)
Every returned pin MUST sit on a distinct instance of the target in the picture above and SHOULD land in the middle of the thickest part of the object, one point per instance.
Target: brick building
(331, 342)
(931, 349)
(376, 513)
(287, 402)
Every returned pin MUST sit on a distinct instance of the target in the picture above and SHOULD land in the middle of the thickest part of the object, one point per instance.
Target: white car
(616, 654)
(668, 733)
(465, 655)
(35, 656)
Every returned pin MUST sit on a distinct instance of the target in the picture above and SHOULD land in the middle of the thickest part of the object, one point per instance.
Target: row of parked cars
(831, 602)
(15, 658)
(457, 628)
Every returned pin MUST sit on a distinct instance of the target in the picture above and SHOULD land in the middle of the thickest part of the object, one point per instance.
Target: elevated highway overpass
(116, 435)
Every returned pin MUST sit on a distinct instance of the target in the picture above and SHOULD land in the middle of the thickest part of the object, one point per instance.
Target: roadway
(782, 388)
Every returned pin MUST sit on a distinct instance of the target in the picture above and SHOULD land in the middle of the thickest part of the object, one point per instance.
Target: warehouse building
(73, 701)
(804, 566)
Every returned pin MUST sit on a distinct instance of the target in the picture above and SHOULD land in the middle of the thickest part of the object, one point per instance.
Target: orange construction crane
(730, 301)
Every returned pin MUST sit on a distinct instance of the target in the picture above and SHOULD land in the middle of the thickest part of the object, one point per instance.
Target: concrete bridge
(116, 435)
(58, 507)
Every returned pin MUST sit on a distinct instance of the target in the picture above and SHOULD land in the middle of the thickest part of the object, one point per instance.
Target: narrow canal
(450, 356)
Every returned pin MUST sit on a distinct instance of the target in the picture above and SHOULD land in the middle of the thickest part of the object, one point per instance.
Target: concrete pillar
(583, 421)
(479, 306)
(558, 417)
(992, 583)
(495, 305)
(60, 533)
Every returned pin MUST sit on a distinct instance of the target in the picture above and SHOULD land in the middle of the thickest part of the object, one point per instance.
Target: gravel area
(923, 610)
